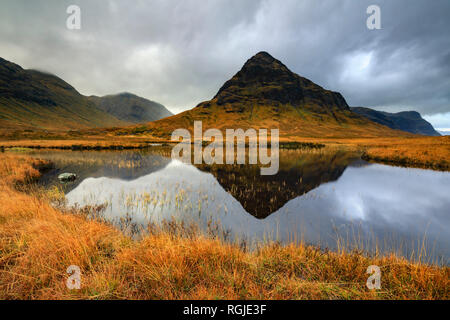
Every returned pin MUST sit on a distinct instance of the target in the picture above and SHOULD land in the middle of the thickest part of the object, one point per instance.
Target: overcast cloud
(179, 53)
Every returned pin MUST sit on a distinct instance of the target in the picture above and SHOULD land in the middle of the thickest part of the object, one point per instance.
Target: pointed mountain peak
(263, 65)
(262, 57)
(263, 54)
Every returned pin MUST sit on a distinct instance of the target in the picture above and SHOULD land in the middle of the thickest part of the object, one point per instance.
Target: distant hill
(131, 108)
(444, 133)
(34, 99)
(409, 121)
(266, 94)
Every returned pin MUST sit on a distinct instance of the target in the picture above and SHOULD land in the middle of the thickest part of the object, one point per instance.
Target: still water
(329, 199)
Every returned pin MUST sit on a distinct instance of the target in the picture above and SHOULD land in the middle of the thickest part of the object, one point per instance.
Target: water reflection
(96, 164)
(299, 173)
(319, 198)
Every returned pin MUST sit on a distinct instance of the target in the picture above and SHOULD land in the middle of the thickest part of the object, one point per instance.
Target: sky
(179, 53)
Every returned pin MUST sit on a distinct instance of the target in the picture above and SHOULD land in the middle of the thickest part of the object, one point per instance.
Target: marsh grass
(38, 242)
(424, 152)
(409, 150)
(301, 145)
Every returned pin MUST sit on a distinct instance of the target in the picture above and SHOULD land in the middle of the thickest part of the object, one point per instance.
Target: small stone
(67, 177)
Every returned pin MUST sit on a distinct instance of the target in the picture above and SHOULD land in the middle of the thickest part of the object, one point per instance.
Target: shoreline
(419, 152)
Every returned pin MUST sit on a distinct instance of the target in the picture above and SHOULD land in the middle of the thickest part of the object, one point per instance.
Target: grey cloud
(180, 52)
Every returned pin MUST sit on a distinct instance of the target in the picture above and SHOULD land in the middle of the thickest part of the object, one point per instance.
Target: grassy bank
(417, 151)
(427, 152)
(39, 242)
(80, 144)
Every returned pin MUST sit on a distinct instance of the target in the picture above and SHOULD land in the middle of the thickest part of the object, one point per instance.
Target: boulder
(67, 177)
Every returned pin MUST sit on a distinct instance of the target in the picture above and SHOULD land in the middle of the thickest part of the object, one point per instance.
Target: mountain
(409, 121)
(266, 94)
(33, 99)
(131, 108)
(444, 133)
(264, 80)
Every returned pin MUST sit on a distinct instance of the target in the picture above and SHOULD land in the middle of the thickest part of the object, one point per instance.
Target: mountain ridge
(130, 107)
(36, 99)
(408, 121)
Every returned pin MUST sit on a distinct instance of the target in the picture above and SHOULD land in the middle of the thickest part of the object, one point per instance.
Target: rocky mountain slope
(409, 121)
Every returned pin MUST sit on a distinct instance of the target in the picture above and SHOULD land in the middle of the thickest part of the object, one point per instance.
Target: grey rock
(67, 177)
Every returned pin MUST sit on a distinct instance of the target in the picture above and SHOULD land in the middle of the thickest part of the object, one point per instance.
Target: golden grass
(78, 144)
(293, 122)
(426, 152)
(416, 151)
(17, 170)
(39, 242)
(410, 150)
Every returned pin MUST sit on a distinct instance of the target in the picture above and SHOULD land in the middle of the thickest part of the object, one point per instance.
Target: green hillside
(37, 100)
